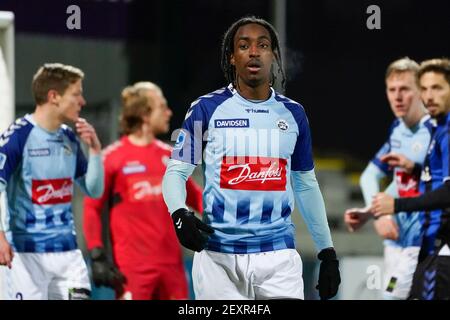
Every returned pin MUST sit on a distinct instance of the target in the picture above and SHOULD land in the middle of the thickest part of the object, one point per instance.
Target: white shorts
(47, 276)
(400, 264)
(267, 275)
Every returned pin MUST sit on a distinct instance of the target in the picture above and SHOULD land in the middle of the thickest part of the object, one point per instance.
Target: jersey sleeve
(383, 166)
(81, 167)
(12, 143)
(92, 210)
(445, 147)
(302, 159)
(189, 144)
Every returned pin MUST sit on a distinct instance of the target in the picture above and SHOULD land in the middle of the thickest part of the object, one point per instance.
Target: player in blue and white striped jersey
(409, 136)
(257, 159)
(40, 159)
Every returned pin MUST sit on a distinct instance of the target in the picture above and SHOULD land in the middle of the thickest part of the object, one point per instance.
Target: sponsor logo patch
(253, 173)
(180, 140)
(144, 189)
(41, 152)
(51, 191)
(133, 168)
(407, 184)
(231, 123)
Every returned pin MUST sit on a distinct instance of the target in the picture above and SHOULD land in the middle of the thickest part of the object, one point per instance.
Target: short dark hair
(53, 76)
(441, 66)
(228, 48)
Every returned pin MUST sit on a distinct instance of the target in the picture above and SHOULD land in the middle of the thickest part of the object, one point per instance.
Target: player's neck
(139, 138)
(414, 118)
(261, 92)
(45, 119)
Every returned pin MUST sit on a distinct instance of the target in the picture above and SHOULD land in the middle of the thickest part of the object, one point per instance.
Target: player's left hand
(382, 204)
(88, 135)
(329, 275)
(398, 160)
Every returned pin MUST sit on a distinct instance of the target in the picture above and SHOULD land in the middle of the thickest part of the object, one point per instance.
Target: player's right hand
(191, 231)
(104, 273)
(6, 252)
(355, 218)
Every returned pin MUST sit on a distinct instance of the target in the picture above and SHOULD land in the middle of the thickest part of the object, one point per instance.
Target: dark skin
(253, 57)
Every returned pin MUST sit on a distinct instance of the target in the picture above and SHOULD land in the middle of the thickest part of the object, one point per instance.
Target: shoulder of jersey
(210, 100)
(394, 125)
(290, 102)
(18, 129)
(111, 149)
(69, 132)
(163, 146)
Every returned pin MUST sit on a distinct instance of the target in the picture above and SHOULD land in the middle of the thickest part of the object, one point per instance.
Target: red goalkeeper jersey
(141, 228)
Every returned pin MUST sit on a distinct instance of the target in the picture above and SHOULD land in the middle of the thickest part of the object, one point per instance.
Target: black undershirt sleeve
(433, 200)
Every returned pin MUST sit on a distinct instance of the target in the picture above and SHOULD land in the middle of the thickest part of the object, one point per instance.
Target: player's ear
(232, 62)
(53, 96)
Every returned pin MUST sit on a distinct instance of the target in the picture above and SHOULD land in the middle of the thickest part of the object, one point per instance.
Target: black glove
(329, 277)
(189, 230)
(104, 273)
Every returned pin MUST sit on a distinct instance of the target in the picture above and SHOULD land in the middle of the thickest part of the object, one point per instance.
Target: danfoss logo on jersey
(407, 184)
(144, 189)
(52, 191)
(253, 173)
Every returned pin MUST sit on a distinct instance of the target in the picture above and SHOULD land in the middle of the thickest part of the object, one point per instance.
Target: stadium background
(335, 67)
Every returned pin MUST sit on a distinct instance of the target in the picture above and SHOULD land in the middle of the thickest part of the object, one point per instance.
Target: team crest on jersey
(231, 123)
(51, 191)
(180, 140)
(41, 152)
(67, 150)
(282, 125)
(417, 147)
(2, 160)
(253, 173)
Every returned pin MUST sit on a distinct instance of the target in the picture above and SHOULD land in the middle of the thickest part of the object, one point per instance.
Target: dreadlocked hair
(228, 48)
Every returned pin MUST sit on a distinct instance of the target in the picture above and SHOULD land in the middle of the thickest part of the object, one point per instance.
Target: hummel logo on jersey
(250, 110)
(179, 223)
(4, 138)
(231, 123)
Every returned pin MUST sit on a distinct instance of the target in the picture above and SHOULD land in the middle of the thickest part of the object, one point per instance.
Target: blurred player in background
(432, 277)
(145, 248)
(409, 136)
(40, 158)
(255, 142)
